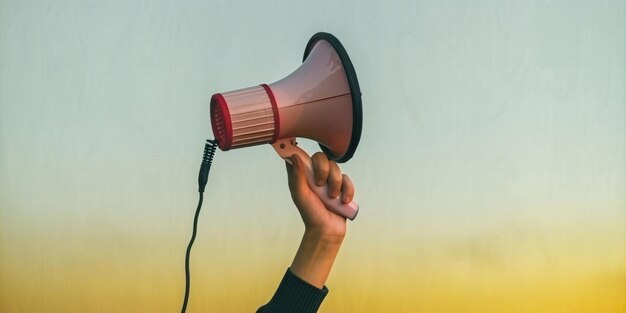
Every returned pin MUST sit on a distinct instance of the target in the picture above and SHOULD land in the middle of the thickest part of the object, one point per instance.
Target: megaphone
(321, 101)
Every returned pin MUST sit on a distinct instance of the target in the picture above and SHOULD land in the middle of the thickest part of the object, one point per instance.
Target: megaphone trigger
(286, 147)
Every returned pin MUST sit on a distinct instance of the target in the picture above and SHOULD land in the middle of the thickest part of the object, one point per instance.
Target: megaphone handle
(287, 147)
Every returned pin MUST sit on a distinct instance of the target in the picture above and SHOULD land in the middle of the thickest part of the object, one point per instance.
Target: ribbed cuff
(295, 295)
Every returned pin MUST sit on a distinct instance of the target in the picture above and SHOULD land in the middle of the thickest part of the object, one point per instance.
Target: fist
(316, 217)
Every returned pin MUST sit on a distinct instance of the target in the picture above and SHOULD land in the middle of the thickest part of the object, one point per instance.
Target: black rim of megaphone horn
(357, 110)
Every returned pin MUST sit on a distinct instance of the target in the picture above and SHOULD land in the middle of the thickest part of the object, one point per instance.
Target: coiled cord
(207, 159)
(203, 175)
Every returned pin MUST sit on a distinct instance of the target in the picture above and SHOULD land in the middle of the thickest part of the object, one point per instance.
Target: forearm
(302, 288)
(315, 257)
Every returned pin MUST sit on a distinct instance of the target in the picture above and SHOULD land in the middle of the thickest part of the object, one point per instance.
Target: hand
(324, 230)
(316, 217)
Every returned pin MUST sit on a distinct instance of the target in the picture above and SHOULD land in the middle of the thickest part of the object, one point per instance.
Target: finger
(296, 175)
(334, 179)
(347, 189)
(320, 168)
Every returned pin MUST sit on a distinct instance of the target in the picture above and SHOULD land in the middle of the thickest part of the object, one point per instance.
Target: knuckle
(321, 167)
(334, 181)
(336, 171)
(318, 158)
(318, 155)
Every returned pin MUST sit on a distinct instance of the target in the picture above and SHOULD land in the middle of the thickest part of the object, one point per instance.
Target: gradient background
(491, 171)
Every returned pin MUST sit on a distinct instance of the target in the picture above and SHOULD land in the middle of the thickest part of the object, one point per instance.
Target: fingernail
(319, 182)
(334, 195)
(346, 198)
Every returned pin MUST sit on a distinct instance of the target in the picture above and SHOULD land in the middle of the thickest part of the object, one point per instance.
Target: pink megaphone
(321, 101)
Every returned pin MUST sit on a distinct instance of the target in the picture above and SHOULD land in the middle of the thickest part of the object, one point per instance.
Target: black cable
(207, 159)
(193, 238)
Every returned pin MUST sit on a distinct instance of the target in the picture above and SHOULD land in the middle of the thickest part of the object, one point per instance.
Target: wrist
(323, 236)
(315, 256)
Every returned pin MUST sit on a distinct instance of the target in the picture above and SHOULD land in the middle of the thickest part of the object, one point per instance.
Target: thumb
(296, 175)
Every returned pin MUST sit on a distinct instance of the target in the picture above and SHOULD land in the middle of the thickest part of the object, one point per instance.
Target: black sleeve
(294, 295)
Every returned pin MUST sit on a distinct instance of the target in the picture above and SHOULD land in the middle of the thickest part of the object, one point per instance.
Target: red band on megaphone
(270, 94)
(221, 116)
